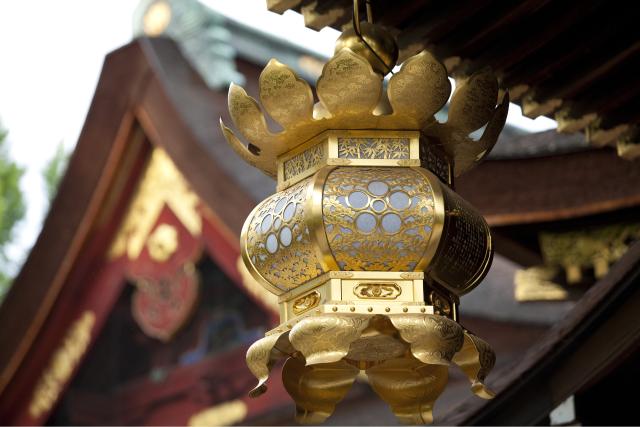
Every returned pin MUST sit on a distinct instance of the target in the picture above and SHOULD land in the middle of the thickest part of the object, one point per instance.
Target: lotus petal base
(404, 356)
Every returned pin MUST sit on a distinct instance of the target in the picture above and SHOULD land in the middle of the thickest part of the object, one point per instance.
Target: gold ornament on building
(574, 258)
(366, 244)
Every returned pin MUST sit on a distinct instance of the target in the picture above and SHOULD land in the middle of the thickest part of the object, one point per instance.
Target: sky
(51, 54)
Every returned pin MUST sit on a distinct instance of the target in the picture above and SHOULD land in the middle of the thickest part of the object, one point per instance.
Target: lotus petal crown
(351, 96)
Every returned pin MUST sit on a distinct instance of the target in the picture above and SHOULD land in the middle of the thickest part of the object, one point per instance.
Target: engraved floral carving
(348, 85)
(285, 96)
(278, 241)
(306, 302)
(326, 339)
(420, 89)
(434, 339)
(304, 161)
(377, 218)
(373, 148)
(377, 291)
(376, 348)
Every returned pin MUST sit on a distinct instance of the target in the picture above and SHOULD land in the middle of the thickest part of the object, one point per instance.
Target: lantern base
(326, 351)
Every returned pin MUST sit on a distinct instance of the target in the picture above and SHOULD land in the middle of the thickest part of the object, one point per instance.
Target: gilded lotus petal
(348, 85)
(260, 358)
(419, 89)
(326, 339)
(434, 339)
(286, 97)
(473, 102)
(476, 359)
(317, 389)
(471, 152)
(409, 387)
(247, 116)
(263, 163)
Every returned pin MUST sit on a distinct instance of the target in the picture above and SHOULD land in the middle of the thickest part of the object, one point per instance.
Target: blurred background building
(132, 308)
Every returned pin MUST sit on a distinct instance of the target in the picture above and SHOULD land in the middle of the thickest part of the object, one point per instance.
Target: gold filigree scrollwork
(326, 338)
(375, 347)
(434, 339)
(61, 365)
(301, 162)
(278, 242)
(377, 342)
(409, 387)
(476, 359)
(377, 291)
(317, 389)
(373, 148)
(378, 218)
(306, 302)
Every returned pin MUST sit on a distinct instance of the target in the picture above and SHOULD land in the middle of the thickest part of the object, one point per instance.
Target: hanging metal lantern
(366, 244)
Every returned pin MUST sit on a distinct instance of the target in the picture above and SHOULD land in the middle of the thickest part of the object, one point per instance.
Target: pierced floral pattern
(378, 218)
(278, 240)
(304, 161)
(373, 148)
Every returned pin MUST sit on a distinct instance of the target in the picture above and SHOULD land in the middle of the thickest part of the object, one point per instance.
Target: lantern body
(377, 227)
(366, 244)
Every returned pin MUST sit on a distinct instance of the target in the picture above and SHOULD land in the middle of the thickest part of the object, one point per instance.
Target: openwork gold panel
(277, 240)
(466, 248)
(378, 218)
(304, 161)
(373, 148)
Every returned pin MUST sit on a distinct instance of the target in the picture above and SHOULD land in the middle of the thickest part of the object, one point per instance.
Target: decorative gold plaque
(306, 302)
(377, 291)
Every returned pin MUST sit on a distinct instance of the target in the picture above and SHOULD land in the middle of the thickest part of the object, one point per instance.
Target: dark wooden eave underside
(578, 60)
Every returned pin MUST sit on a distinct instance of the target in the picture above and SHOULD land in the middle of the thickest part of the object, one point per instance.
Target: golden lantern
(366, 244)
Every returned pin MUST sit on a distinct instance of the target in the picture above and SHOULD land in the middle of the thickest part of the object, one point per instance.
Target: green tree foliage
(12, 207)
(54, 170)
